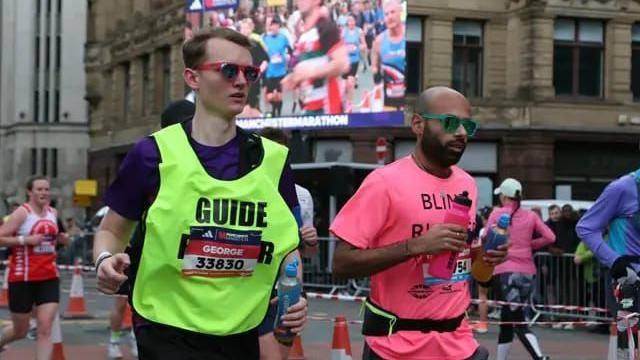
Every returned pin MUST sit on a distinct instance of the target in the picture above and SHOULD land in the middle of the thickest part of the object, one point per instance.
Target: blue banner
(309, 122)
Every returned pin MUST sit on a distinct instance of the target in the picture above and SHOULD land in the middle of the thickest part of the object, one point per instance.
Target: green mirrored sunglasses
(451, 123)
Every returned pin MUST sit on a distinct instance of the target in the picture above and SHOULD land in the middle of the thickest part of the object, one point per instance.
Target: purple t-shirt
(615, 210)
(138, 180)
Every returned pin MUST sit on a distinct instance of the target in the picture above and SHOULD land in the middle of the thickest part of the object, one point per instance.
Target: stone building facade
(551, 81)
(43, 113)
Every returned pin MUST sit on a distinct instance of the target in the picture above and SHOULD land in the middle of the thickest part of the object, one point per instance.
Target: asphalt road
(87, 339)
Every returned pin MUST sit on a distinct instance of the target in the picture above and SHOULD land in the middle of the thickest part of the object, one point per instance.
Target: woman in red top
(32, 234)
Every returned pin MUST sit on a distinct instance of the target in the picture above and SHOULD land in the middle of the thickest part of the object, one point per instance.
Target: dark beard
(438, 153)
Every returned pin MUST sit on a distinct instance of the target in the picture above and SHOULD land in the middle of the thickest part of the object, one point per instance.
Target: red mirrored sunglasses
(230, 70)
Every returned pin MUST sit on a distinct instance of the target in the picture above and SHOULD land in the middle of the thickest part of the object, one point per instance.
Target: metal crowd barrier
(317, 273)
(560, 281)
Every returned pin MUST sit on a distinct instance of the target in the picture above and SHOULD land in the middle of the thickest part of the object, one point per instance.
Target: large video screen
(324, 64)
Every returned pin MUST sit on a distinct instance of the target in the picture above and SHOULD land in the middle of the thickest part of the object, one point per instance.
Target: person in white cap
(515, 277)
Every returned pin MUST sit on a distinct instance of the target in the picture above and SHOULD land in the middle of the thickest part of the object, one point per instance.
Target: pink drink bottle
(443, 264)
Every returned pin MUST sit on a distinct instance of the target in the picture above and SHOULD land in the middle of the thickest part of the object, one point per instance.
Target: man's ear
(417, 124)
(191, 78)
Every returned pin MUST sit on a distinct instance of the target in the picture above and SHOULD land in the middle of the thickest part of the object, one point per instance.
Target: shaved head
(429, 99)
(440, 149)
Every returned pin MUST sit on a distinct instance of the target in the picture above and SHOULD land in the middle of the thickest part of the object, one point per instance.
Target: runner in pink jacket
(515, 277)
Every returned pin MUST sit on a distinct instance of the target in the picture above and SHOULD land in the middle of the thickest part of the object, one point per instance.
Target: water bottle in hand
(443, 264)
(481, 270)
(289, 289)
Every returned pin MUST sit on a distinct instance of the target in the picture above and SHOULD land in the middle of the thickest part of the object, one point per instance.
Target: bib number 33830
(217, 252)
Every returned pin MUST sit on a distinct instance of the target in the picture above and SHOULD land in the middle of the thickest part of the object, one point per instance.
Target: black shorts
(353, 70)
(369, 40)
(161, 342)
(24, 294)
(273, 84)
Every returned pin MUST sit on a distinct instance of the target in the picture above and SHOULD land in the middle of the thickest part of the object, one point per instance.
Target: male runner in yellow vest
(215, 204)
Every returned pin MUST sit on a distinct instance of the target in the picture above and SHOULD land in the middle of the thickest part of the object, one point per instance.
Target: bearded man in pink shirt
(393, 225)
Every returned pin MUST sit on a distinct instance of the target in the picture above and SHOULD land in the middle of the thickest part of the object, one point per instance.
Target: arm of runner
(350, 262)
(128, 197)
(10, 228)
(112, 237)
(375, 56)
(113, 234)
(547, 236)
(594, 222)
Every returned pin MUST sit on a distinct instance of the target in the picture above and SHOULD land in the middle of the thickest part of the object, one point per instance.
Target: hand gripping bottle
(481, 270)
(443, 264)
(289, 289)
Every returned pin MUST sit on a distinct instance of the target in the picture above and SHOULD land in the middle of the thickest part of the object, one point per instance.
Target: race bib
(218, 252)
(47, 246)
(352, 48)
(276, 59)
(460, 273)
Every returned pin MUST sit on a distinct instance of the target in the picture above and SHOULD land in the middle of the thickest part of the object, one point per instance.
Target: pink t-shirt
(523, 226)
(395, 203)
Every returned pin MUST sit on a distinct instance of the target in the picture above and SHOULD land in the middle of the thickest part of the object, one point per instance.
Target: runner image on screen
(321, 59)
(388, 56)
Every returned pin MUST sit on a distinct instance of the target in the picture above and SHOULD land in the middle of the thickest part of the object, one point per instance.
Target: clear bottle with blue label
(498, 235)
(289, 290)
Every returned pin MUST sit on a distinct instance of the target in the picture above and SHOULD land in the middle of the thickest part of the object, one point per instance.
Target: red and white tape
(64, 267)
(472, 322)
(360, 299)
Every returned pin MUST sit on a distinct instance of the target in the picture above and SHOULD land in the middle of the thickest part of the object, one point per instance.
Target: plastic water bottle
(481, 270)
(443, 264)
(289, 289)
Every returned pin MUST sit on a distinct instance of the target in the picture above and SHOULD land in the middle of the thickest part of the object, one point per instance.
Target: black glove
(619, 267)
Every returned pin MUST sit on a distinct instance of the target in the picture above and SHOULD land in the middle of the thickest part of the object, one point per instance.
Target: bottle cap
(504, 220)
(463, 199)
(291, 270)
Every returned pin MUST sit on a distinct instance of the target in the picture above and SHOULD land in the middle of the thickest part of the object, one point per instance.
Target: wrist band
(103, 256)
(21, 240)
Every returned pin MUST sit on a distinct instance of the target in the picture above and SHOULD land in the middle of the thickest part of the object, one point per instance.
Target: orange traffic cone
(126, 318)
(56, 339)
(4, 296)
(612, 353)
(341, 345)
(296, 352)
(77, 307)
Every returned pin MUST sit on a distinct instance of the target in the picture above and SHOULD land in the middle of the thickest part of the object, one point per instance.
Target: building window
(146, 82)
(578, 57)
(414, 54)
(37, 54)
(47, 53)
(54, 162)
(58, 51)
(126, 93)
(34, 161)
(635, 61)
(56, 106)
(467, 57)
(46, 106)
(166, 76)
(36, 105)
(44, 161)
